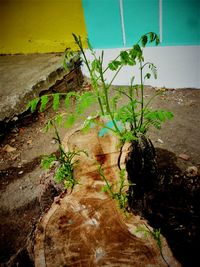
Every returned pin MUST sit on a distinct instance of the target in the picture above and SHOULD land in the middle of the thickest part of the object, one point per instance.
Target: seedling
(156, 234)
(120, 195)
(66, 160)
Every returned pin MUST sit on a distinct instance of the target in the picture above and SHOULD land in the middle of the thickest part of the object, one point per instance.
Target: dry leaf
(7, 148)
(29, 142)
(160, 141)
(184, 156)
(15, 157)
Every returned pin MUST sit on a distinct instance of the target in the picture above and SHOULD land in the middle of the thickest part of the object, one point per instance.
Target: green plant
(64, 172)
(121, 195)
(156, 234)
(134, 117)
(47, 161)
(129, 121)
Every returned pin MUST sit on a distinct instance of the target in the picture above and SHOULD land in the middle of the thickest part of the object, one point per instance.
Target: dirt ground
(26, 191)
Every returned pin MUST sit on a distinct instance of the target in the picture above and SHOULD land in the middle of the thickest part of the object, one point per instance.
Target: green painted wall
(140, 16)
(103, 22)
(178, 21)
(181, 22)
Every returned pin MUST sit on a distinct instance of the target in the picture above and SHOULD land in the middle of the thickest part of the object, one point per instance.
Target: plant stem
(93, 79)
(133, 110)
(107, 183)
(115, 76)
(80, 45)
(105, 91)
(142, 96)
(160, 247)
(62, 152)
(150, 100)
(95, 86)
(147, 63)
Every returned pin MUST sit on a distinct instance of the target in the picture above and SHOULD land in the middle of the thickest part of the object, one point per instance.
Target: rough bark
(142, 170)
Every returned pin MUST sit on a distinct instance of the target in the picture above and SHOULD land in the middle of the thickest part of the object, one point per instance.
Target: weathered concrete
(23, 77)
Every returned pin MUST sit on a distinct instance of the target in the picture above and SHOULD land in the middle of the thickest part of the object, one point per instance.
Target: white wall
(178, 66)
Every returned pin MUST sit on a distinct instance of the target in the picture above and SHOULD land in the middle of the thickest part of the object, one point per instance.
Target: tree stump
(85, 227)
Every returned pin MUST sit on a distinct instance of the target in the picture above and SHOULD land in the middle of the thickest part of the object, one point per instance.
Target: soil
(173, 205)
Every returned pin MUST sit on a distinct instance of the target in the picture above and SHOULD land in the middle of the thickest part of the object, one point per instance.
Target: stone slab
(23, 77)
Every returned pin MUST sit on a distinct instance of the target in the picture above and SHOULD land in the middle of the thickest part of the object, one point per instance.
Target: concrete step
(24, 77)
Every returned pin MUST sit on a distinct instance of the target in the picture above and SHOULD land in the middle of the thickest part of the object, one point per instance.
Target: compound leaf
(113, 65)
(33, 104)
(44, 100)
(144, 40)
(70, 120)
(56, 101)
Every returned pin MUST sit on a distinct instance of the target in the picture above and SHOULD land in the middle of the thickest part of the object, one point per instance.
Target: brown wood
(86, 228)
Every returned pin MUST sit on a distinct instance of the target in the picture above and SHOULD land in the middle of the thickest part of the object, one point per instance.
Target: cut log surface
(85, 227)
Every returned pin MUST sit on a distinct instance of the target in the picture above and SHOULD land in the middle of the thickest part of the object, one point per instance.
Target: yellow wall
(39, 26)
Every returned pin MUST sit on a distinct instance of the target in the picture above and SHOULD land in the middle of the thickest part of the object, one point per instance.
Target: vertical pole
(122, 22)
(161, 20)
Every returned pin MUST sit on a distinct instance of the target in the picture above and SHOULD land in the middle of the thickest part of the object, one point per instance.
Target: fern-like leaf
(85, 101)
(153, 70)
(58, 119)
(47, 161)
(48, 126)
(68, 98)
(70, 120)
(156, 117)
(128, 137)
(89, 123)
(115, 99)
(33, 104)
(44, 100)
(144, 40)
(56, 101)
(113, 65)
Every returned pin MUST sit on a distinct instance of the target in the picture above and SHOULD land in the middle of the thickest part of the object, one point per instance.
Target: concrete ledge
(23, 77)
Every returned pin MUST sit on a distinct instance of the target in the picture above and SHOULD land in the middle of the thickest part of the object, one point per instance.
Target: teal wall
(180, 24)
(103, 23)
(140, 16)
